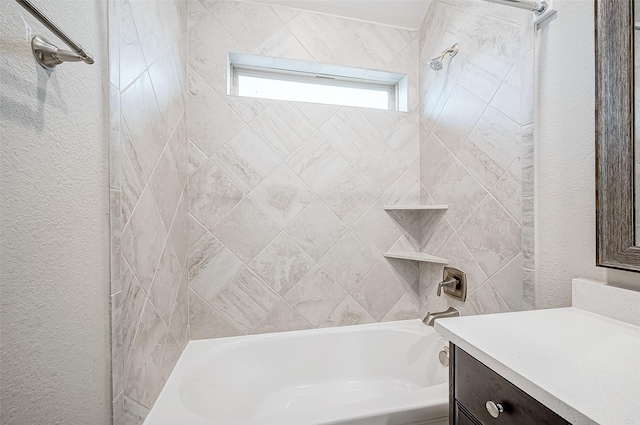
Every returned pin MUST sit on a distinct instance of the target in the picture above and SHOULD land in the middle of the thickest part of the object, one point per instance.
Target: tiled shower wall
(286, 222)
(477, 153)
(148, 82)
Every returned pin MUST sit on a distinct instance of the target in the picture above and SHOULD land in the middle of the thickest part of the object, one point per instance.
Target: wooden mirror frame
(615, 234)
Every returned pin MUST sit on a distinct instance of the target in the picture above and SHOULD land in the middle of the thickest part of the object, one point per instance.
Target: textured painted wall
(148, 181)
(287, 227)
(565, 158)
(54, 235)
(476, 152)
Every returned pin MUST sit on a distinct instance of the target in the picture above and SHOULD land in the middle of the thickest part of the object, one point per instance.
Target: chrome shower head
(436, 63)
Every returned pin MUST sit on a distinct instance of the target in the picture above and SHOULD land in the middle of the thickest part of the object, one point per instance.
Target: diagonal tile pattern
(246, 216)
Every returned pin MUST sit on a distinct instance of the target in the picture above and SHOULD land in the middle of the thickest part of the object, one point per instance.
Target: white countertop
(583, 366)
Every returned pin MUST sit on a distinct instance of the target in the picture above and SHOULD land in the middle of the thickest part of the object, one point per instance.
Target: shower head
(436, 63)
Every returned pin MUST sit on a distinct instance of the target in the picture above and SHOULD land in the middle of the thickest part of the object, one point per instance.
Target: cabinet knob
(494, 409)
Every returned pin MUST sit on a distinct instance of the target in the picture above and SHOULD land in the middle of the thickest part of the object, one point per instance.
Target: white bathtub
(379, 374)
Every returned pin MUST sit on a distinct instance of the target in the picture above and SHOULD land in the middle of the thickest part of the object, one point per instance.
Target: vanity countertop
(582, 365)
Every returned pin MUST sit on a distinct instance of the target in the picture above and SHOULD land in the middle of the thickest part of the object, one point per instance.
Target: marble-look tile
(178, 146)
(159, 23)
(527, 87)
(511, 14)
(528, 235)
(405, 190)
(491, 147)
(508, 282)
(348, 196)
(381, 119)
(407, 308)
(349, 132)
(322, 34)
(380, 166)
(508, 190)
(378, 292)
(211, 266)
(282, 195)
(195, 230)
(284, 13)
(209, 46)
(435, 229)
(493, 237)
(459, 257)
(117, 343)
(179, 233)
(528, 289)
(197, 12)
(281, 319)
(132, 174)
(528, 158)
(134, 412)
(206, 323)
(348, 261)
(435, 89)
(282, 264)
(180, 316)
(387, 230)
(195, 157)
(166, 187)
(246, 301)
(143, 238)
(117, 410)
(528, 135)
(315, 296)
(283, 127)
(131, 57)
(483, 73)
(115, 230)
(316, 229)
(246, 159)
(134, 298)
(403, 136)
(435, 160)
(248, 23)
(209, 206)
(382, 43)
(283, 44)
(461, 192)
(144, 121)
(430, 276)
(317, 113)
(153, 355)
(211, 121)
(246, 230)
(348, 313)
(458, 118)
(248, 108)
(169, 79)
(317, 163)
(507, 98)
(486, 300)
(115, 137)
(166, 283)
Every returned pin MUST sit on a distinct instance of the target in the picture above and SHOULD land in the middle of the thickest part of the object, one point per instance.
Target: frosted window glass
(316, 92)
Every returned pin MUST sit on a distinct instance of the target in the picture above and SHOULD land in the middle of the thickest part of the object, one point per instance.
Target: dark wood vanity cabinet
(473, 385)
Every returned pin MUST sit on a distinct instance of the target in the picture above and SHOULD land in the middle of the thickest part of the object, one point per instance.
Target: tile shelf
(416, 256)
(416, 208)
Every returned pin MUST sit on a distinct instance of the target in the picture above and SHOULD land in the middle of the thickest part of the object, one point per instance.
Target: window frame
(391, 88)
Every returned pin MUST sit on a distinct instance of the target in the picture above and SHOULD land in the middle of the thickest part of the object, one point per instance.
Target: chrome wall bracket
(49, 56)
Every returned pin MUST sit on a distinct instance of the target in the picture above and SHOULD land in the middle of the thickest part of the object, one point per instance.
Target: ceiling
(399, 13)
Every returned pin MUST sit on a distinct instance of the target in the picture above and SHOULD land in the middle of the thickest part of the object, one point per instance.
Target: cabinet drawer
(462, 418)
(475, 384)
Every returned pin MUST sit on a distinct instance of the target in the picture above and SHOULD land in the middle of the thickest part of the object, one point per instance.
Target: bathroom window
(271, 78)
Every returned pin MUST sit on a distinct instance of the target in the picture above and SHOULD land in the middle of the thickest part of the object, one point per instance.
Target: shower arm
(452, 51)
